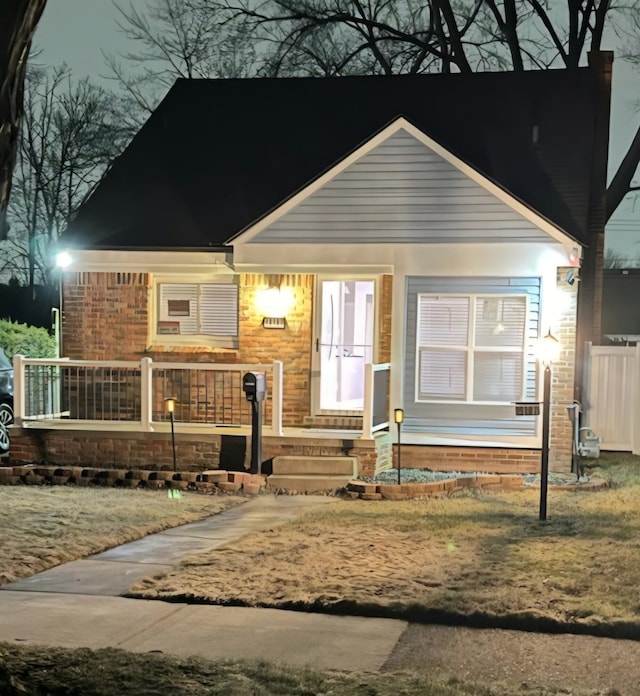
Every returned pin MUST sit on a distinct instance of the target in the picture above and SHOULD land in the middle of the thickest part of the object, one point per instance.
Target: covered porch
(115, 412)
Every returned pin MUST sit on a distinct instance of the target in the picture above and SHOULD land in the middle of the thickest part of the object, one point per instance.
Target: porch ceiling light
(64, 260)
(547, 349)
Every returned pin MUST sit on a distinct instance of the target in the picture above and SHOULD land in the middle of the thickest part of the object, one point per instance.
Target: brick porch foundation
(199, 452)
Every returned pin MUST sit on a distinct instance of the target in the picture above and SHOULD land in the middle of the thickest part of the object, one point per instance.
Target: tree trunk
(18, 22)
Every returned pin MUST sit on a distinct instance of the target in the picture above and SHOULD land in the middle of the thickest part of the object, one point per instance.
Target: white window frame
(193, 340)
(470, 349)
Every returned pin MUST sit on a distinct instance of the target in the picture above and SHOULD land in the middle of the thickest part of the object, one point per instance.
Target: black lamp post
(398, 417)
(548, 350)
(170, 404)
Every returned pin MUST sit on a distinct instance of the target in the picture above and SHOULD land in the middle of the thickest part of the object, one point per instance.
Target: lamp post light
(63, 261)
(170, 405)
(547, 351)
(398, 417)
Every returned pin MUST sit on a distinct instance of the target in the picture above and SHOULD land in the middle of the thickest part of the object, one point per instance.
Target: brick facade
(562, 375)
(107, 317)
(194, 452)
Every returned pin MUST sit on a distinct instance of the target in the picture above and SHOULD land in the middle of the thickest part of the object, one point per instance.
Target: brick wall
(562, 376)
(483, 459)
(194, 452)
(105, 315)
(291, 345)
(198, 452)
(384, 319)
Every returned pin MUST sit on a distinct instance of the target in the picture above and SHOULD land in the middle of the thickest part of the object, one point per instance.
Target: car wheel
(6, 414)
(4, 439)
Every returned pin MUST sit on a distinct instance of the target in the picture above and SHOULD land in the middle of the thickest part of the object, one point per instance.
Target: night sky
(76, 31)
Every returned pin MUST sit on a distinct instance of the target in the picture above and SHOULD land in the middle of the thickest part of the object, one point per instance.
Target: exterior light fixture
(398, 418)
(574, 257)
(273, 304)
(64, 260)
(170, 405)
(547, 352)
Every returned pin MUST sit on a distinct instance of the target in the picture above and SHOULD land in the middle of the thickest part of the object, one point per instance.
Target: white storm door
(344, 343)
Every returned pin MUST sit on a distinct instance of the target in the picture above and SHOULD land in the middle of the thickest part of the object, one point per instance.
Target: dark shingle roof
(217, 155)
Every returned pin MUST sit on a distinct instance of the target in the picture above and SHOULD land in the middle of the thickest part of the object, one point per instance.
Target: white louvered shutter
(443, 337)
(500, 324)
(219, 309)
(175, 296)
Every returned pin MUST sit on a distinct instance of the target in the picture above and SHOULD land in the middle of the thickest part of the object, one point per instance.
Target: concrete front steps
(312, 474)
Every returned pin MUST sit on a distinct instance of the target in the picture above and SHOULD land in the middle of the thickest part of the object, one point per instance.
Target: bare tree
(18, 22)
(174, 39)
(70, 133)
(394, 36)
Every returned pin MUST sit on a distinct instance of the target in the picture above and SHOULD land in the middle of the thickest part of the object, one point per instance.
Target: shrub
(31, 341)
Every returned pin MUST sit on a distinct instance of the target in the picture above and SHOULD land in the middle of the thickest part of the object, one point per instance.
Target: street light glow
(63, 260)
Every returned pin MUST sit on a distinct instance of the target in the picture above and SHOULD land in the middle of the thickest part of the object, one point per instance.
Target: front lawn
(56, 672)
(45, 526)
(482, 560)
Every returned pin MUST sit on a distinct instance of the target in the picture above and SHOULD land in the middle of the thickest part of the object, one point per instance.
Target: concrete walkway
(77, 604)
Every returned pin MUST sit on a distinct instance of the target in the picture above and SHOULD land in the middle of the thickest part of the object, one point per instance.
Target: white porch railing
(101, 391)
(375, 411)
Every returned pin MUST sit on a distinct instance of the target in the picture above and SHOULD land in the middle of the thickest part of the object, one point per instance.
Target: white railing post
(277, 398)
(146, 395)
(19, 401)
(367, 406)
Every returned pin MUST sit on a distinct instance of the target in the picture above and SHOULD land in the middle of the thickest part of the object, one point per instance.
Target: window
(197, 309)
(470, 348)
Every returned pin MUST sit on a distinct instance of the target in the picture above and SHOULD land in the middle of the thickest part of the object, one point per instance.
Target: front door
(344, 343)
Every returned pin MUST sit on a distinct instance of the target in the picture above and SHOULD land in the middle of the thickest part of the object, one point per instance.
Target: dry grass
(485, 559)
(45, 526)
(58, 672)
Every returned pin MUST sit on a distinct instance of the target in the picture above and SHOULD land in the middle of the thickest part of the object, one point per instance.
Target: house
(425, 222)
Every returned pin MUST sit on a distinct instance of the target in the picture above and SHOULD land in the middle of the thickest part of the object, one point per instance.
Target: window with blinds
(188, 309)
(470, 348)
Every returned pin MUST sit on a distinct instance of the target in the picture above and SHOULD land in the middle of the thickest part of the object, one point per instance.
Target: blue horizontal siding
(403, 192)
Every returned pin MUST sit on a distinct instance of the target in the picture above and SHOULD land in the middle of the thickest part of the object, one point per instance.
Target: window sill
(192, 347)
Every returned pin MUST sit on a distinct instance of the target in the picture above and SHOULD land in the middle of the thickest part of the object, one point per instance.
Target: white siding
(401, 191)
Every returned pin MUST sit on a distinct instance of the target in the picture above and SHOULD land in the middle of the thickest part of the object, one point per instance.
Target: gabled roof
(401, 187)
(218, 155)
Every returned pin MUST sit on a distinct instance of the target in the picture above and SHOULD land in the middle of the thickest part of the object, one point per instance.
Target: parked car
(6, 389)
(4, 439)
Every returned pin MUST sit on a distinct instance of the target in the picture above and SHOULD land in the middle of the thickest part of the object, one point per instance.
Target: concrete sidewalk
(77, 604)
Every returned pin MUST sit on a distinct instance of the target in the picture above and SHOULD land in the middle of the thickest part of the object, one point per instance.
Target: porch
(113, 413)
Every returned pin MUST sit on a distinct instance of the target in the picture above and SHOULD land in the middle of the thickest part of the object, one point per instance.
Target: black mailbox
(254, 385)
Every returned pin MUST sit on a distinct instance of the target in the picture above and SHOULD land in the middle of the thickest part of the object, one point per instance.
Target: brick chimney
(591, 273)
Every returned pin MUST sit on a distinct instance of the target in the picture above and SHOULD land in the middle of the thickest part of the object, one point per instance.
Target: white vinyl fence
(611, 399)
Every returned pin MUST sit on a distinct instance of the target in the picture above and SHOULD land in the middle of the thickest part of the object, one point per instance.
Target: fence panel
(611, 400)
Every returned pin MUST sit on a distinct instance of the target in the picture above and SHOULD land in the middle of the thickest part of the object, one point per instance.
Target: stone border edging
(453, 487)
(212, 481)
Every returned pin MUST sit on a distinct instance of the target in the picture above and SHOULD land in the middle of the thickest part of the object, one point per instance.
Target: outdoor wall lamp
(273, 304)
(547, 351)
(398, 418)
